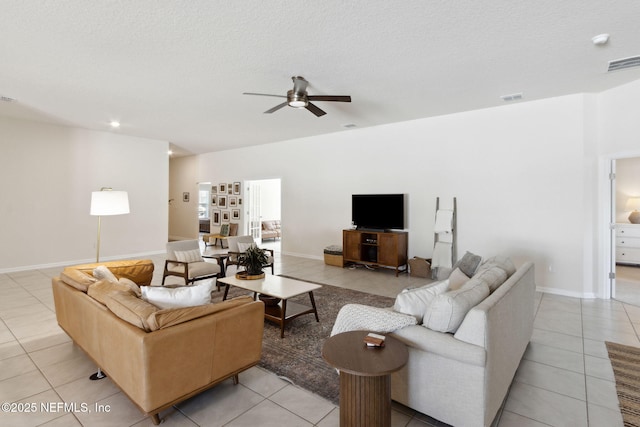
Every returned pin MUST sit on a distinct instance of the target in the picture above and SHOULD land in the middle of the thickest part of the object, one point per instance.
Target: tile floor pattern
(565, 378)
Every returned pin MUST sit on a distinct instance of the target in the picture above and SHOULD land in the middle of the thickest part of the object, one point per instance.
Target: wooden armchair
(185, 260)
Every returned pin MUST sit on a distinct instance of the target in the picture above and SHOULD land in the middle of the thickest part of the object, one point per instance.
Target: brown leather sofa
(157, 357)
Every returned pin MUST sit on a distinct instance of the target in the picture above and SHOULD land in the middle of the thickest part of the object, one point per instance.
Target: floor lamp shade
(107, 202)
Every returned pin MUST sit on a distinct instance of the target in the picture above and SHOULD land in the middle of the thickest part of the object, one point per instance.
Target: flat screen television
(378, 211)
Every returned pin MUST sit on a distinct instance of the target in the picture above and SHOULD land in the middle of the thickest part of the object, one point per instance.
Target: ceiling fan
(298, 98)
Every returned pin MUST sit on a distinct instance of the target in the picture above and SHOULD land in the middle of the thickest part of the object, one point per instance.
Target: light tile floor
(565, 378)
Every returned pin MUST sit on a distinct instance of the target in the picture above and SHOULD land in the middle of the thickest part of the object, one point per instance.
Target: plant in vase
(252, 260)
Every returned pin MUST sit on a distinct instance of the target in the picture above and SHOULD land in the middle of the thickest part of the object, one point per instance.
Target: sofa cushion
(192, 255)
(77, 278)
(499, 261)
(184, 296)
(131, 284)
(447, 311)
(101, 290)
(493, 277)
(165, 318)
(468, 263)
(415, 301)
(457, 279)
(122, 301)
(138, 270)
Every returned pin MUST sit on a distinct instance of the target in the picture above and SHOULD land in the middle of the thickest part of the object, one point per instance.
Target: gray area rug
(298, 356)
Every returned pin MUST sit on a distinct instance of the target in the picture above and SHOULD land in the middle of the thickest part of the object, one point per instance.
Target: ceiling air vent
(512, 97)
(621, 64)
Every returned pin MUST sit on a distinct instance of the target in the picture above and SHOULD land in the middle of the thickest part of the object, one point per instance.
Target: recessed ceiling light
(114, 124)
(600, 39)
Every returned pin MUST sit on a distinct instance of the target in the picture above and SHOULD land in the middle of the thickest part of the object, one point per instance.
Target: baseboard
(80, 261)
(564, 293)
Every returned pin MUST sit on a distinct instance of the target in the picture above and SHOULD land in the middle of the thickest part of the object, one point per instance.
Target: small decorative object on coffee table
(365, 376)
(253, 260)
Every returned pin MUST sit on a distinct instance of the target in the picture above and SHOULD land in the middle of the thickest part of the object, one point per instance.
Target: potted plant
(252, 260)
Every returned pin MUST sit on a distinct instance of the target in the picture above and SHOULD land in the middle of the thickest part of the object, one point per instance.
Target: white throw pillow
(102, 272)
(187, 296)
(416, 301)
(447, 311)
(457, 279)
(192, 255)
(242, 247)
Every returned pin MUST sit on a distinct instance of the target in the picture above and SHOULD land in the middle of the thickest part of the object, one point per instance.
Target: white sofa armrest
(442, 344)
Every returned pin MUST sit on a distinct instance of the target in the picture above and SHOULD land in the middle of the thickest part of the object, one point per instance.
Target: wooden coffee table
(278, 287)
(365, 377)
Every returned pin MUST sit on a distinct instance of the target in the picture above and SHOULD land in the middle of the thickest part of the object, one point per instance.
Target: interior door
(612, 229)
(253, 210)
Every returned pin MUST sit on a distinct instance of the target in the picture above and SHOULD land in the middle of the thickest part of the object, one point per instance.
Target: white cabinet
(628, 243)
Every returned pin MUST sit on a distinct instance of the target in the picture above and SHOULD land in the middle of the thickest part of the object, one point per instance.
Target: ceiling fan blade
(276, 108)
(315, 110)
(338, 98)
(263, 94)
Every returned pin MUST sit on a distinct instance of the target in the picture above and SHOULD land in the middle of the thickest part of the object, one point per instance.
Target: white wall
(270, 199)
(47, 174)
(183, 216)
(517, 171)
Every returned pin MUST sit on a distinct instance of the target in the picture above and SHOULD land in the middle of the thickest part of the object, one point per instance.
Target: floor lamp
(103, 203)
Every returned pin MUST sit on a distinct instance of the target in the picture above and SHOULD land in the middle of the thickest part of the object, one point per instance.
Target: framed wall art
(225, 216)
(222, 201)
(185, 196)
(222, 188)
(233, 202)
(235, 214)
(230, 188)
(215, 216)
(236, 188)
(214, 200)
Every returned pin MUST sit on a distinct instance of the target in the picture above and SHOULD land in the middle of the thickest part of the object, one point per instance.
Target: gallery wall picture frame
(185, 196)
(233, 201)
(239, 201)
(222, 201)
(222, 188)
(236, 188)
(214, 189)
(215, 216)
(230, 188)
(225, 216)
(235, 214)
(214, 200)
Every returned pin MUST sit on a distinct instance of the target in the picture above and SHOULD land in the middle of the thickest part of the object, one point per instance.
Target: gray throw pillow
(468, 263)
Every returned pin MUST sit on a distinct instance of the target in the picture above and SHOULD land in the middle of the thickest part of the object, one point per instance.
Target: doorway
(626, 199)
(263, 206)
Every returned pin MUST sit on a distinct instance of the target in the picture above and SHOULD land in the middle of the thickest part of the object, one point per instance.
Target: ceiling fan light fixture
(296, 99)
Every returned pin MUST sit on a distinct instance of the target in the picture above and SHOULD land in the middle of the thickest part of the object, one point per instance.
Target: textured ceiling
(176, 70)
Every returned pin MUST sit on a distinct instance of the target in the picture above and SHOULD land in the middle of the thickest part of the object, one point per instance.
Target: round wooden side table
(365, 377)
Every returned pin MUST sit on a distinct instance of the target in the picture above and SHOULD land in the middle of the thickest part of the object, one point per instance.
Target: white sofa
(462, 378)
